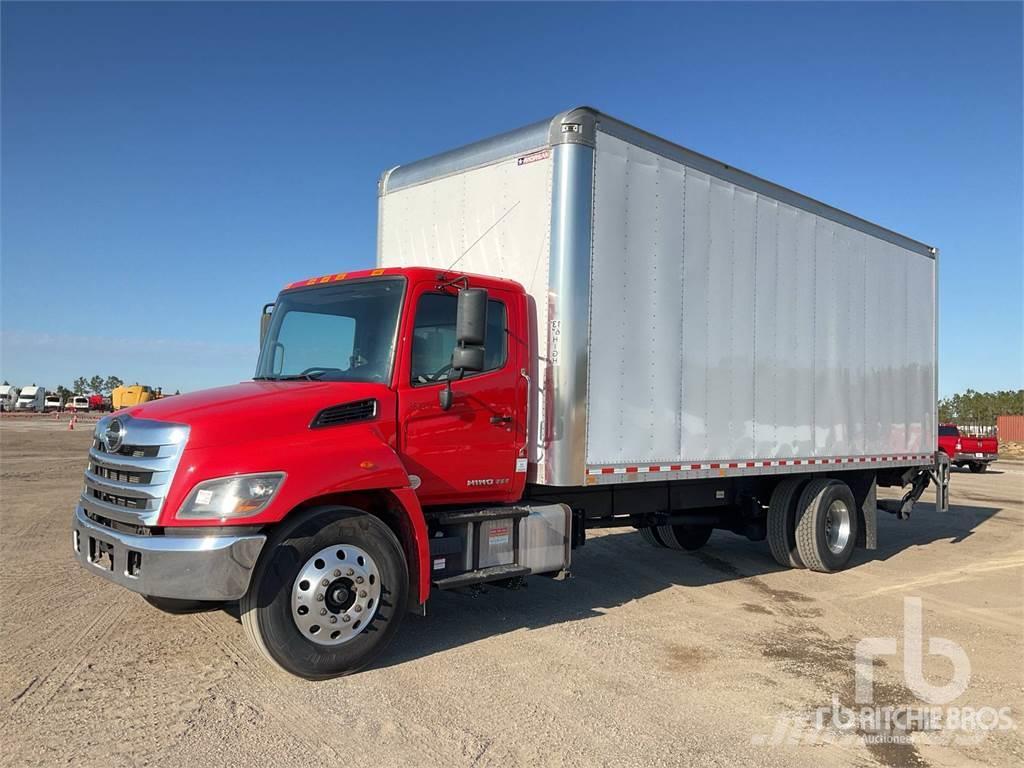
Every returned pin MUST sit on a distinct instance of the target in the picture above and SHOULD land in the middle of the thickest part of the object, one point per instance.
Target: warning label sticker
(498, 536)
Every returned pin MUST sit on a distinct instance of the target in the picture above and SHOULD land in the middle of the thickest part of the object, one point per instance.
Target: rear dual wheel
(812, 524)
(328, 593)
(826, 525)
(684, 537)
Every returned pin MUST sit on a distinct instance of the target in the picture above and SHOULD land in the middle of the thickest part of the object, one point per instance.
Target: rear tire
(178, 607)
(685, 537)
(273, 608)
(977, 466)
(782, 522)
(826, 525)
(650, 535)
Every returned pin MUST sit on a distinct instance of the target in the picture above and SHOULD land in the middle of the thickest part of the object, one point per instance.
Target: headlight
(237, 496)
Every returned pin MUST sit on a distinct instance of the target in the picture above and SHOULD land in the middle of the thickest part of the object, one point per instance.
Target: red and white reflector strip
(642, 469)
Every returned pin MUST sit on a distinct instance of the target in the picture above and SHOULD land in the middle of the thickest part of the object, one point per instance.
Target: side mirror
(468, 359)
(471, 317)
(265, 322)
(470, 330)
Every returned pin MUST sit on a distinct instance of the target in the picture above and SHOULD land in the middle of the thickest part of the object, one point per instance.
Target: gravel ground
(647, 657)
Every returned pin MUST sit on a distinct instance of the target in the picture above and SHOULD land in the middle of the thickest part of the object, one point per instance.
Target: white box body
(693, 320)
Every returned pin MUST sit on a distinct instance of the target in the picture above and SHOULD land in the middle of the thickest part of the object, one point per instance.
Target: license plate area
(101, 554)
(979, 455)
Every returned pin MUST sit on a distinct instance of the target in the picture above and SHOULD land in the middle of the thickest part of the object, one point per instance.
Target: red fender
(418, 527)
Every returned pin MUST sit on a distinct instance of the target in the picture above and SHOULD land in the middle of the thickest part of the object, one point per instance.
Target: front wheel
(328, 593)
(977, 466)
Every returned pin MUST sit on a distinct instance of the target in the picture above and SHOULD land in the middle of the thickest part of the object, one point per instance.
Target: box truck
(8, 397)
(572, 325)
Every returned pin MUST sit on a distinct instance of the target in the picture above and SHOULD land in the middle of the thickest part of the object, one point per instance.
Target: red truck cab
(354, 422)
(975, 453)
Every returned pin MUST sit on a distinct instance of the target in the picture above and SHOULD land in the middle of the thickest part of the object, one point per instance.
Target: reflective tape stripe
(639, 469)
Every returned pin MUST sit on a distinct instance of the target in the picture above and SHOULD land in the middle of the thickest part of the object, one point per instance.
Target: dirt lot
(648, 657)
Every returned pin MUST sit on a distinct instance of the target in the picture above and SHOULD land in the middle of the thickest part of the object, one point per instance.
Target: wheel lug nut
(362, 593)
(359, 579)
(320, 598)
(324, 583)
(337, 571)
(346, 618)
(358, 608)
(323, 611)
(349, 572)
(333, 619)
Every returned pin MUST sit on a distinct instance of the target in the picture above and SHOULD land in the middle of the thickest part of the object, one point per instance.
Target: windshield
(339, 332)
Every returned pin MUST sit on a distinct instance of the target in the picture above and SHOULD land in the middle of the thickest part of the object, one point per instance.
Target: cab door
(470, 452)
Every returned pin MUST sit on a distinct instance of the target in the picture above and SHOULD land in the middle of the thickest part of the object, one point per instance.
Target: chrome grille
(135, 451)
(129, 485)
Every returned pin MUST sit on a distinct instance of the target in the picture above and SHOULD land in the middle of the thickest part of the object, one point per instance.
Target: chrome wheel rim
(837, 527)
(336, 594)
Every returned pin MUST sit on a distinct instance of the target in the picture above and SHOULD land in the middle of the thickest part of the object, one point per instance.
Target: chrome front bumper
(213, 567)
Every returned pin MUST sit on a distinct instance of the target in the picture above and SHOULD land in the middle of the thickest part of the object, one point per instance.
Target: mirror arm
(446, 396)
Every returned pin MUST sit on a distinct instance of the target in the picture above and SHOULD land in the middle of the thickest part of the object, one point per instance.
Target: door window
(433, 337)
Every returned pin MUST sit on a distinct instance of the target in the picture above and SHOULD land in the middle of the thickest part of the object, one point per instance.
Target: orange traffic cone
(71, 424)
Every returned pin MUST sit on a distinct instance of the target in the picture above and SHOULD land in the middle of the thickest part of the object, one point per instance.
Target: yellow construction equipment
(125, 396)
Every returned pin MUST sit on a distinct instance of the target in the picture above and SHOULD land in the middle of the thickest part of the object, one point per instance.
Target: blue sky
(166, 168)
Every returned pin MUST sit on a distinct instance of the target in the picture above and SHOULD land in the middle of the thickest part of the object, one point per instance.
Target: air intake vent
(346, 413)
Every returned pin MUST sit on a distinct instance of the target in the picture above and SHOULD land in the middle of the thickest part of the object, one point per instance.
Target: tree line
(97, 385)
(981, 408)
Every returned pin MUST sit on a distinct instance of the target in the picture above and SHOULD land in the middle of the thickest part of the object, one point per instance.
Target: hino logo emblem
(113, 436)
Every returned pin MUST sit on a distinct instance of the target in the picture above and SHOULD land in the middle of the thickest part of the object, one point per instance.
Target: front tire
(826, 525)
(328, 593)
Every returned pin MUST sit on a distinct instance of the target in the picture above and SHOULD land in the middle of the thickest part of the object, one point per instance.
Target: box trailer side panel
(689, 315)
(727, 326)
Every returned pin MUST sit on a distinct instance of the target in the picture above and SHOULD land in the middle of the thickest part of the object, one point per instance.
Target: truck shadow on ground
(619, 567)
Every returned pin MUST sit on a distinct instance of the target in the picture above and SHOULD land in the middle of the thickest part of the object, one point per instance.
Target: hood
(256, 409)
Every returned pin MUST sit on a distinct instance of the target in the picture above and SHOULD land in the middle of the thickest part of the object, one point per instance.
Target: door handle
(501, 419)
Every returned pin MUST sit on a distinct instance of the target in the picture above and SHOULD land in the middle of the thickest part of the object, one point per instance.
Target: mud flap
(940, 476)
(865, 492)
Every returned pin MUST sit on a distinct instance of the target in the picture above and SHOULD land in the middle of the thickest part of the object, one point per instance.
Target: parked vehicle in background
(52, 403)
(416, 426)
(975, 453)
(99, 403)
(8, 397)
(133, 394)
(77, 403)
(31, 398)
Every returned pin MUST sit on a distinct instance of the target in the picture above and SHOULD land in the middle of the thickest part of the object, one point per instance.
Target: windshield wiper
(313, 376)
